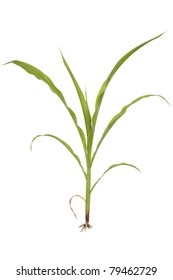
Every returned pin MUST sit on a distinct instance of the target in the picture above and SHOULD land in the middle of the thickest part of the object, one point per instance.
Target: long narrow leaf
(118, 116)
(39, 75)
(43, 77)
(110, 167)
(83, 102)
(67, 146)
(81, 133)
(102, 90)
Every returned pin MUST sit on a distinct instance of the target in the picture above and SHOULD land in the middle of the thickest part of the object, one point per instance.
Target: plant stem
(88, 195)
(88, 182)
(87, 198)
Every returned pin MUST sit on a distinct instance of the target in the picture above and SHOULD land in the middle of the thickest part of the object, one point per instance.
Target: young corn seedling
(87, 135)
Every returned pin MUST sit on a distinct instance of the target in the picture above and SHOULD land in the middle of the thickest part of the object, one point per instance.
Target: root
(85, 226)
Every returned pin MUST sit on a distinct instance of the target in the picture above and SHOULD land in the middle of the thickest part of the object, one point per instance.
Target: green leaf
(67, 146)
(81, 133)
(43, 77)
(83, 101)
(110, 167)
(39, 75)
(118, 116)
(104, 86)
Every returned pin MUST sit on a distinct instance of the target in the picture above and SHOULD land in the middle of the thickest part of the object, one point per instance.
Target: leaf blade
(104, 86)
(109, 168)
(83, 101)
(118, 116)
(65, 144)
(40, 76)
(43, 77)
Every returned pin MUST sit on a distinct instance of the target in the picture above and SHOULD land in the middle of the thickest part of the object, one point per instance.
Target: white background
(131, 213)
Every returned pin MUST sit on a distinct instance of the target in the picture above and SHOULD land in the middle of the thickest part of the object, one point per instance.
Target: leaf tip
(165, 99)
(7, 63)
(61, 54)
(163, 33)
(60, 50)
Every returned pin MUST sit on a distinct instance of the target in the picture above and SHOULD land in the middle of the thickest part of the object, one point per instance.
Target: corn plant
(87, 135)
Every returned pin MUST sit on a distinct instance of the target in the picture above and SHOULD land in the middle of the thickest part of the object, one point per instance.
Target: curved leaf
(110, 167)
(39, 75)
(65, 145)
(43, 77)
(83, 101)
(118, 116)
(102, 90)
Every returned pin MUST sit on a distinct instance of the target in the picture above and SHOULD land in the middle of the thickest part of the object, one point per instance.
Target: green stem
(88, 178)
(88, 195)
(88, 187)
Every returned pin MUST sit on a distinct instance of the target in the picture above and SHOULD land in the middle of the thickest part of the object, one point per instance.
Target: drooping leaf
(43, 77)
(118, 116)
(83, 102)
(113, 166)
(104, 86)
(39, 75)
(67, 146)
